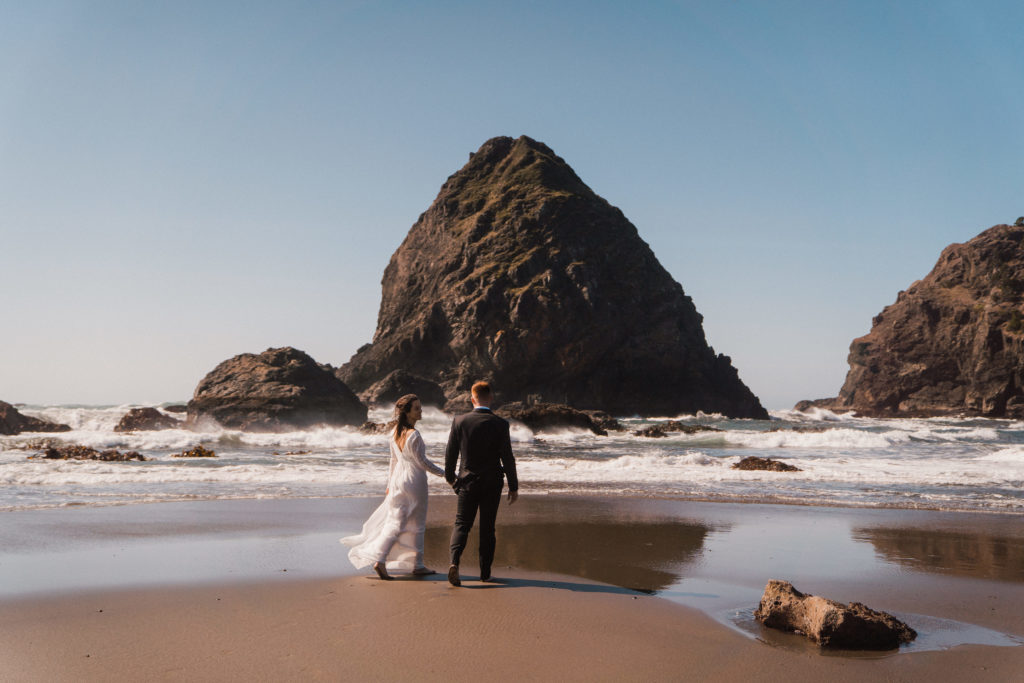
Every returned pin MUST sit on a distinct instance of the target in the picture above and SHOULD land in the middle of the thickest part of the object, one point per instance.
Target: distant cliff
(953, 343)
(518, 272)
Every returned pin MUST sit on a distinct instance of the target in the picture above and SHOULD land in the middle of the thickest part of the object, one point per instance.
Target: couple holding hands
(476, 460)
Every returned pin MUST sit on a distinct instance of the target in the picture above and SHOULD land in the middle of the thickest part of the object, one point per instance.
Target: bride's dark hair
(402, 408)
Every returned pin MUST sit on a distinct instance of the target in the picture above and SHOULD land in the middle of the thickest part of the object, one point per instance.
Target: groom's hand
(513, 496)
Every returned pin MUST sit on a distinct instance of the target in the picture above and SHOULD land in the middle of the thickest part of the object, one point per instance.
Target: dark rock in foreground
(952, 344)
(86, 453)
(662, 429)
(277, 390)
(520, 274)
(768, 464)
(399, 383)
(12, 422)
(542, 416)
(145, 419)
(197, 452)
(828, 623)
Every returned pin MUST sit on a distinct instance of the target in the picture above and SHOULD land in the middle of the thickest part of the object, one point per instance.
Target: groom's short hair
(481, 391)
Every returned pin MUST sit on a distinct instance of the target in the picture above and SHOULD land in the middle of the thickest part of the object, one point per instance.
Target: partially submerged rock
(12, 422)
(197, 452)
(377, 427)
(828, 623)
(752, 462)
(541, 416)
(75, 452)
(277, 390)
(605, 421)
(145, 419)
(176, 409)
(803, 429)
(663, 429)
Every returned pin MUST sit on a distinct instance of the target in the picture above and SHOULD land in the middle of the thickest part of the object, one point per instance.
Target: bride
(393, 535)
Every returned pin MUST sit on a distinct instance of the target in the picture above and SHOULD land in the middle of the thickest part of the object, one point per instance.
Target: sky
(181, 182)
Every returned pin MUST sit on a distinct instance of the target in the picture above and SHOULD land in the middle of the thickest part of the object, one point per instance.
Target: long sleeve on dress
(418, 450)
(391, 467)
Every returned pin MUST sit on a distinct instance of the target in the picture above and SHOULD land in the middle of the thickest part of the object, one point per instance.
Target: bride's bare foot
(423, 571)
(382, 571)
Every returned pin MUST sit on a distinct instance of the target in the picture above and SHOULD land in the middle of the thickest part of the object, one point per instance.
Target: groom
(483, 440)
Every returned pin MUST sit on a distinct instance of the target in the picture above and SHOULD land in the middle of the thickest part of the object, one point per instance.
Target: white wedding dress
(394, 532)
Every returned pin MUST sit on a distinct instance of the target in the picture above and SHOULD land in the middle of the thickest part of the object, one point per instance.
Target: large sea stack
(519, 273)
(952, 344)
(277, 390)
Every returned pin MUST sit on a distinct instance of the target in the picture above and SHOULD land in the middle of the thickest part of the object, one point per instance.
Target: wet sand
(592, 588)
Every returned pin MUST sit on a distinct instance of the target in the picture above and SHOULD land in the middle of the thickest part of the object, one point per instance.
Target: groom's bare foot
(382, 571)
(453, 575)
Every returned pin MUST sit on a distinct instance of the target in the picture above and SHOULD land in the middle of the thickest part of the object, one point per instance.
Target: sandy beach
(589, 588)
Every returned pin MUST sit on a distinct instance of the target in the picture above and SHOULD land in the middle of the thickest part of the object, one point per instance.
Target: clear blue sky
(181, 182)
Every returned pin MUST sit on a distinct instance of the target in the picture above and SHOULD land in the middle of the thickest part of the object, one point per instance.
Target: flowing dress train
(394, 532)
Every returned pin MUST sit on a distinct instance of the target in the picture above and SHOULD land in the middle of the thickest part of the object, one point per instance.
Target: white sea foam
(1013, 455)
(959, 464)
(812, 415)
(839, 438)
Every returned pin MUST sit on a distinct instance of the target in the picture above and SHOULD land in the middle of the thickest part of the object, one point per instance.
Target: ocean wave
(833, 439)
(1012, 455)
(93, 473)
(812, 415)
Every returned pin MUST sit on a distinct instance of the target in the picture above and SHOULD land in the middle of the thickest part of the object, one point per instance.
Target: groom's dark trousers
(482, 439)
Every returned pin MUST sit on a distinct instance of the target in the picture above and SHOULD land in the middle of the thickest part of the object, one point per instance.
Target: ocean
(941, 464)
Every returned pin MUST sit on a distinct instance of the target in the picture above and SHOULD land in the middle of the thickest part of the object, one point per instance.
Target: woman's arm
(391, 467)
(419, 453)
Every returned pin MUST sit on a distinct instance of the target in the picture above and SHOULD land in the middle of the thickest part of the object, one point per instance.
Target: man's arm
(508, 463)
(451, 454)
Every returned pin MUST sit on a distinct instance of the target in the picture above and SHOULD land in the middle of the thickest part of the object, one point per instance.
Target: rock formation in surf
(277, 390)
(145, 419)
(952, 344)
(519, 273)
(13, 422)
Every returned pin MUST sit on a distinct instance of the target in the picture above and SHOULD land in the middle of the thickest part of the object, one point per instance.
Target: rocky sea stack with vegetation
(518, 272)
(952, 344)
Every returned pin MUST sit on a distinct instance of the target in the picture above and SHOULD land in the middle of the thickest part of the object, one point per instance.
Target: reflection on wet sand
(641, 555)
(948, 552)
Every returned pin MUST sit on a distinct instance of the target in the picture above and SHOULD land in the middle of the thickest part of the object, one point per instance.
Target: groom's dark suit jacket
(483, 439)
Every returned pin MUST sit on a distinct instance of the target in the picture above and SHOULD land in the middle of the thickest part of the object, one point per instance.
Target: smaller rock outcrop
(951, 344)
(377, 427)
(828, 623)
(277, 390)
(145, 420)
(605, 421)
(197, 452)
(662, 429)
(176, 409)
(397, 384)
(752, 462)
(75, 452)
(12, 422)
(542, 416)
